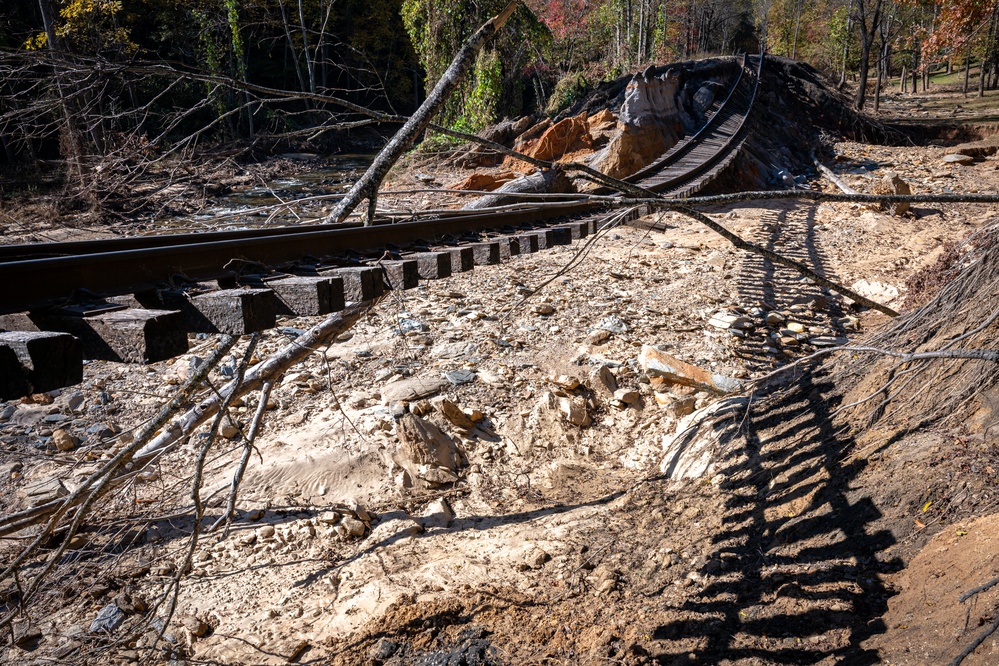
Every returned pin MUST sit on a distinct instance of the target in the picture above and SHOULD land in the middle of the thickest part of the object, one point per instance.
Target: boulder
(424, 447)
(565, 138)
(892, 183)
(659, 364)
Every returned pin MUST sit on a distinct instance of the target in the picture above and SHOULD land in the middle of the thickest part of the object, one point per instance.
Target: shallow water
(286, 200)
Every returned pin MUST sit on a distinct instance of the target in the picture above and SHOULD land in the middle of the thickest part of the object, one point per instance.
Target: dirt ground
(782, 541)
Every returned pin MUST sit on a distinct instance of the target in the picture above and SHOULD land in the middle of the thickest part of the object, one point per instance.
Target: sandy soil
(560, 543)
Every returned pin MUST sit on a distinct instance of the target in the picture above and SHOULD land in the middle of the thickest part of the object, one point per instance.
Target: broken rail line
(136, 299)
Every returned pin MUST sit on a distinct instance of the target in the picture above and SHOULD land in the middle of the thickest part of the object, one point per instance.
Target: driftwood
(833, 178)
(367, 186)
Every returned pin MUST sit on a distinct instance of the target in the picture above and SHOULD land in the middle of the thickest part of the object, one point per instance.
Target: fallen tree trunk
(547, 181)
(367, 186)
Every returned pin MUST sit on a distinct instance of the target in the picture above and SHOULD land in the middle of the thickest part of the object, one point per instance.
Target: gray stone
(613, 324)
(407, 325)
(383, 649)
(459, 377)
(108, 619)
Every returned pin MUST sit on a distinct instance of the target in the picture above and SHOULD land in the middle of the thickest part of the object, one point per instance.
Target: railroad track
(135, 299)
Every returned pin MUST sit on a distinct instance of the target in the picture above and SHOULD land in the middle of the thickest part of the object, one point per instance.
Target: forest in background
(106, 87)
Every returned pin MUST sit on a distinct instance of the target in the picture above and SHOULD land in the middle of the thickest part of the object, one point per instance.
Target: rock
(194, 625)
(574, 411)
(454, 350)
(351, 527)
(543, 309)
(423, 444)
(406, 325)
(437, 514)
(958, 158)
(775, 319)
(647, 126)
(627, 396)
(613, 324)
(75, 401)
(459, 377)
(63, 441)
(603, 381)
(536, 558)
(265, 532)
(683, 406)
(565, 381)
(45, 490)
(796, 327)
(383, 649)
(598, 337)
(474, 414)
(7, 470)
(101, 430)
(453, 413)
(228, 429)
(828, 341)
(438, 476)
(412, 389)
(8, 412)
(26, 635)
(725, 320)
(660, 364)
(566, 136)
(329, 517)
(892, 183)
(108, 619)
(876, 291)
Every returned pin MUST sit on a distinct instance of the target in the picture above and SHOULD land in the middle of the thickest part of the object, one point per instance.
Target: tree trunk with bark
(367, 186)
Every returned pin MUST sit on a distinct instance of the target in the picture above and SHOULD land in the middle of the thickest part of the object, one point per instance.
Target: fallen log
(545, 181)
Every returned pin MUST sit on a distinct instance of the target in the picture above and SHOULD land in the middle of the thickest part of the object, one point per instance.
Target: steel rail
(35, 283)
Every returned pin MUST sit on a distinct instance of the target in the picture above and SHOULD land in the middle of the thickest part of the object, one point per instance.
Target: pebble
(598, 337)
(458, 377)
(536, 558)
(613, 324)
(544, 309)
(266, 532)
(627, 396)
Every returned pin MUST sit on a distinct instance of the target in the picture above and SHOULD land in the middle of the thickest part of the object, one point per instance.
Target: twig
(978, 641)
(237, 477)
(981, 588)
